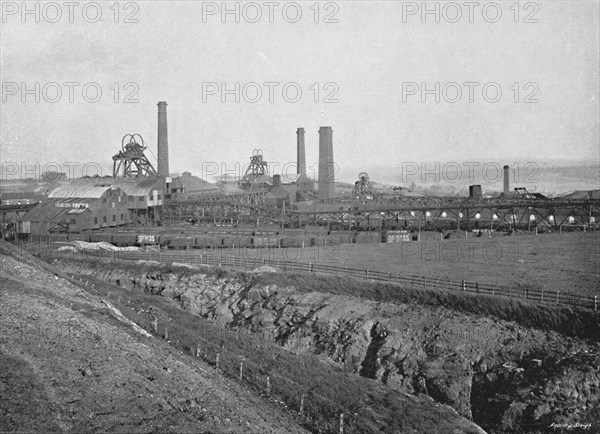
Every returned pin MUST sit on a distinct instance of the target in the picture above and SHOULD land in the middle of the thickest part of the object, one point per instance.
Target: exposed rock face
(501, 375)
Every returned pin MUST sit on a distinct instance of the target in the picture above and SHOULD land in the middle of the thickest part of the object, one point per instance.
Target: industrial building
(281, 195)
(98, 202)
(138, 194)
(78, 207)
(133, 195)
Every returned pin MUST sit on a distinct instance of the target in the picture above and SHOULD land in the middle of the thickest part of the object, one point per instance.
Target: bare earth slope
(68, 364)
(525, 375)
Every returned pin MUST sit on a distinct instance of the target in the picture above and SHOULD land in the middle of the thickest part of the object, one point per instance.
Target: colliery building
(96, 203)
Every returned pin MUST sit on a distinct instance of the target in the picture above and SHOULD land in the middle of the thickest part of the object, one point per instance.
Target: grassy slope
(569, 262)
(571, 322)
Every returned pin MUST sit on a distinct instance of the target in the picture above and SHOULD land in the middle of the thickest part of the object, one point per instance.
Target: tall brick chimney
(506, 180)
(163, 140)
(301, 152)
(326, 164)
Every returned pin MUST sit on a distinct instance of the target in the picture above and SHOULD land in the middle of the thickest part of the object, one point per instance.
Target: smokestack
(506, 181)
(276, 180)
(326, 164)
(301, 153)
(163, 140)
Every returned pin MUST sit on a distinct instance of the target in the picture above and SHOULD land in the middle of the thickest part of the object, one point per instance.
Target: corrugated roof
(139, 186)
(78, 190)
(95, 187)
(46, 212)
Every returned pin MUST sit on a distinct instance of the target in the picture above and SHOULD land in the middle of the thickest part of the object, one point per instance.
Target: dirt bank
(68, 364)
(507, 377)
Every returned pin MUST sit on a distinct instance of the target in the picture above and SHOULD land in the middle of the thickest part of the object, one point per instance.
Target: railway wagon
(368, 237)
(397, 236)
(265, 233)
(293, 232)
(266, 241)
(79, 237)
(152, 239)
(237, 241)
(327, 240)
(295, 241)
(243, 232)
(124, 239)
(208, 241)
(182, 243)
(101, 238)
(228, 241)
(57, 238)
(346, 238)
(243, 242)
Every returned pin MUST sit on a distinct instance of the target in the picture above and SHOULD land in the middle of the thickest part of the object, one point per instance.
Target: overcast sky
(369, 55)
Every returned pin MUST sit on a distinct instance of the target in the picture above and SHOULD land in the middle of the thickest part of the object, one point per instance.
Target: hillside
(70, 362)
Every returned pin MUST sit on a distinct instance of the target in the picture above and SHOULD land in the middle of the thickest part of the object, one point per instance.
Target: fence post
(557, 296)
(302, 405)
(310, 267)
(542, 297)
(268, 385)
(241, 370)
(198, 352)
(341, 423)
(263, 261)
(526, 291)
(509, 290)
(424, 282)
(390, 276)
(367, 272)
(595, 302)
(477, 286)
(155, 324)
(217, 361)
(166, 333)
(463, 285)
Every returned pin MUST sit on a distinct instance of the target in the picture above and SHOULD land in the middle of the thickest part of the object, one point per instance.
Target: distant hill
(583, 194)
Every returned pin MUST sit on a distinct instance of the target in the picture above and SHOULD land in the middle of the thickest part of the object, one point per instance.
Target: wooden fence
(529, 294)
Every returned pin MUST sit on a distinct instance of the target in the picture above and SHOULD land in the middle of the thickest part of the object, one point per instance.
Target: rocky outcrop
(501, 375)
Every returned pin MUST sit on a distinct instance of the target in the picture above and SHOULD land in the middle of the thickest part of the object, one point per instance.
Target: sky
(372, 67)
